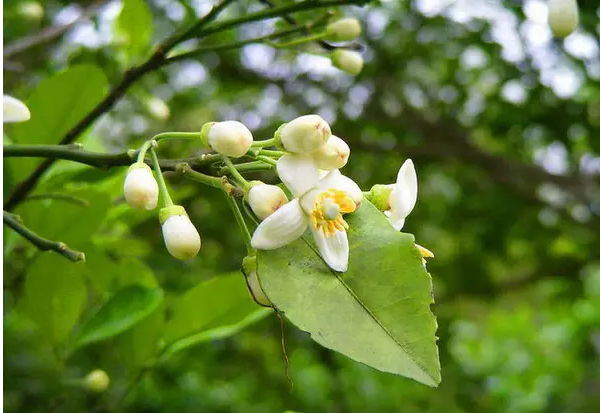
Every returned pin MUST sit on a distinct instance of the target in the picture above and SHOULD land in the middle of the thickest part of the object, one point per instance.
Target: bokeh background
(503, 124)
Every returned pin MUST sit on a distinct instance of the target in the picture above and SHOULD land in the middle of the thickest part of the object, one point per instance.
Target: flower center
(327, 212)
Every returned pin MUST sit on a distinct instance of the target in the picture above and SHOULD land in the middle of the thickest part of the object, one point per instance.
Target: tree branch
(155, 61)
(14, 222)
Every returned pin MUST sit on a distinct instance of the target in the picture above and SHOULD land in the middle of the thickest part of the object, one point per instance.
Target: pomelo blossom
(181, 237)
(264, 199)
(347, 61)
(403, 197)
(320, 208)
(229, 138)
(343, 30)
(13, 110)
(140, 188)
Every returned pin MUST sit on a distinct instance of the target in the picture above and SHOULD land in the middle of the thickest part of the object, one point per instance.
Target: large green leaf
(134, 26)
(216, 308)
(54, 295)
(376, 313)
(119, 313)
(57, 105)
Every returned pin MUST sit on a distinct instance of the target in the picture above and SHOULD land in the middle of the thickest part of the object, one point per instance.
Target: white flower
(96, 381)
(304, 134)
(140, 187)
(265, 199)
(343, 30)
(403, 196)
(333, 155)
(13, 110)
(181, 237)
(563, 16)
(321, 208)
(347, 61)
(229, 138)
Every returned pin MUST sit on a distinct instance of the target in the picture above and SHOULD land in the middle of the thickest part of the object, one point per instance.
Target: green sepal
(167, 212)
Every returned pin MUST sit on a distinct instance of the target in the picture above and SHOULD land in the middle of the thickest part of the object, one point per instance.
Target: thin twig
(49, 33)
(14, 222)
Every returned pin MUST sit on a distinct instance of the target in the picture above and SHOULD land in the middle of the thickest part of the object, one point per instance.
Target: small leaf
(122, 311)
(134, 26)
(216, 308)
(377, 313)
(54, 295)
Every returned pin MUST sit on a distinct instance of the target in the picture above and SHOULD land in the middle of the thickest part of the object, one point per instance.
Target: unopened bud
(256, 291)
(96, 381)
(379, 195)
(140, 187)
(563, 16)
(304, 134)
(31, 10)
(158, 108)
(347, 61)
(265, 199)
(343, 30)
(181, 236)
(333, 155)
(229, 138)
(13, 110)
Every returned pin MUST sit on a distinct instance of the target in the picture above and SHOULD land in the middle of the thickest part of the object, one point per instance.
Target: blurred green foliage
(501, 120)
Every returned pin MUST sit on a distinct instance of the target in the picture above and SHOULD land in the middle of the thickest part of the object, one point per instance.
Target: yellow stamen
(425, 253)
(328, 224)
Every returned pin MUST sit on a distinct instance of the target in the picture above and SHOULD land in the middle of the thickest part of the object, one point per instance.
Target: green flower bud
(347, 61)
(380, 197)
(343, 30)
(96, 381)
(563, 17)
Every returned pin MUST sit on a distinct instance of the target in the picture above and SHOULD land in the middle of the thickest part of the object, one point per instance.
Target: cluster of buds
(345, 30)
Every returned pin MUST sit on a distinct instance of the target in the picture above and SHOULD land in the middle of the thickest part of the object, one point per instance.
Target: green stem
(266, 159)
(162, 185)
(144, 148)
(255, 166)
(265, 143)
(267, 152)
(186, 170)
(13, 222)
(233, 171)
(176, 135)
(302, 40)
(239, 218)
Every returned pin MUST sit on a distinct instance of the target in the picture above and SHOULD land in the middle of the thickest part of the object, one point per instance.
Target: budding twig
(14, 222)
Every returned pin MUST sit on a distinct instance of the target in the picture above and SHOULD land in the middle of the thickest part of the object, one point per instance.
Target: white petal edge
(13, 110)
(334, 250)
(396, 221)
(280, 228)
(335, 179)
(404, 196)
(298, 172)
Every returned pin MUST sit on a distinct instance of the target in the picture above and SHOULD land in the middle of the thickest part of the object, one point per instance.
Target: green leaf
(377, 313)
(134, 26)
(57, 105)
(216, 308)
(54, 295)
(122, 311)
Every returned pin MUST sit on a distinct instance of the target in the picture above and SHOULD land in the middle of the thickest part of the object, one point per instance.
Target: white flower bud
(333, 155)
(140, 187)
(563, 16)
(96, 381)
(249, 269)
(265, 199)
(158, 108)
(304, 134)
(13, 110)
(229, 138)
(343, 30)
(181, 237)
(347, 61)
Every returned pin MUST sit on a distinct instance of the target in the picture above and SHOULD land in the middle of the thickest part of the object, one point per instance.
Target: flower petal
(13, 110)
(335, 179)
(334, 250)
(280, 228)
(298, 172)
(396, 221)
(404, 196)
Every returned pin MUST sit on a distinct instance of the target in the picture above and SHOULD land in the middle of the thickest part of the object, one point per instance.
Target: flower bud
(333, 155)
(158, 108)
(304, 134)
(13, 110)
(563, 16)
(140, 187)
(229, 138)
(265, 199)
(96, 381)
(181, 237)
(343, 30)
(31, 10)
(347, 61)
(256, 291)
(380, 196)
